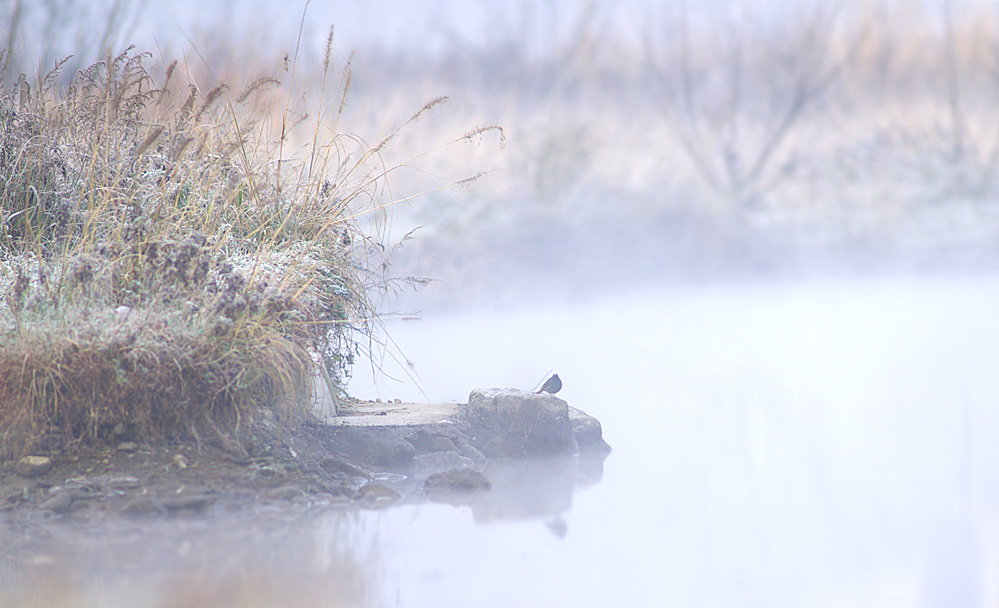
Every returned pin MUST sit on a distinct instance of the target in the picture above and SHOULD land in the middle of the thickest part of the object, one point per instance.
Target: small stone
(233, 450)
(426, 442)
(390, 453)
(468, 451)
(59, 503)
(40, 560)
(379, 450)
(283, 493)
(143, 506)
(33, 466)
(337, 465)
(338, 489)
(434, 462)
(376, 496)
(457, 480)
(124, 483)
(440, 444)
(194, 503)
(127, 446)
(79, 505)
(267, 472)
(18, 496)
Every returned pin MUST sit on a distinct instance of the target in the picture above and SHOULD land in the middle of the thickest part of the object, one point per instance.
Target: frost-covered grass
(170, 261)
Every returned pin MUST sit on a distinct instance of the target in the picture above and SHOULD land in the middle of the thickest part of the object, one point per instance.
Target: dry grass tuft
(164, 271)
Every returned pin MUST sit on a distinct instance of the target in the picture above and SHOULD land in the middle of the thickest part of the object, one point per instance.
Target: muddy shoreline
(170, 522)
(312, 467)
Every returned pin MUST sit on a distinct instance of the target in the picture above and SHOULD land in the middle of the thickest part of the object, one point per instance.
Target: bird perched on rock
(551, 385)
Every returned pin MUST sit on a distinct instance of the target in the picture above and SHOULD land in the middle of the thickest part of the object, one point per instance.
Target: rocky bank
(371, 455)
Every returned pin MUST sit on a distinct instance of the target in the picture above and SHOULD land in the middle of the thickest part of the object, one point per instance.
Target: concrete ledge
(372, 413)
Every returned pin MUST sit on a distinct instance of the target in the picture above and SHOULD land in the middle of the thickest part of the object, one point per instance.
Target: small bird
(551, 385)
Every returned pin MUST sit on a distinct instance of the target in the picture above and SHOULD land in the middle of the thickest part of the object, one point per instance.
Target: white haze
(809, 444)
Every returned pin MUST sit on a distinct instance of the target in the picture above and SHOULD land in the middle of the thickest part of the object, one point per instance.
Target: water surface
(800, 444)
(807, 444)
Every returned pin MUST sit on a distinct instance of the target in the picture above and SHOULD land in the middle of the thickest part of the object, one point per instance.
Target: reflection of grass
(259, 560)
(165, 267)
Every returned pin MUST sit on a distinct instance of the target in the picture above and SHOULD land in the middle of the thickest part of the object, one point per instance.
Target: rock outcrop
(514, 423)
(589, 434)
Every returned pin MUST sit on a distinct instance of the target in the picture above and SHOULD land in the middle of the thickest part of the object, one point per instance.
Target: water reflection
(298, 554)
(278, 559)
(783, 445)
(526, 489)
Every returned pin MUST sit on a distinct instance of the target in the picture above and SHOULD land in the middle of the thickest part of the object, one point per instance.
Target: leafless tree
(734, 89)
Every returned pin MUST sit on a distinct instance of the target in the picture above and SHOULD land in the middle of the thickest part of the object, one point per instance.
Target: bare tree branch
(734, 103)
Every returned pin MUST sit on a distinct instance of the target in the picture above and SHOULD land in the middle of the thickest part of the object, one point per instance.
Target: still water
(806, 445)
(817, 444)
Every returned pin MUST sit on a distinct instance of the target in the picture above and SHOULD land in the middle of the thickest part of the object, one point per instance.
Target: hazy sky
(426, 25)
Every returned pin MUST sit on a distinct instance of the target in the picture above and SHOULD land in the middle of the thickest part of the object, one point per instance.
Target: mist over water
(824, 443)
(788, 444)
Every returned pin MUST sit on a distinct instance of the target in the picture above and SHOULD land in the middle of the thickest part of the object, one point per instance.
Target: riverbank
(371, 456)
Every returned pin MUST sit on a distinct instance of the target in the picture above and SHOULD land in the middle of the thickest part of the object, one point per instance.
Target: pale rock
(512, 423)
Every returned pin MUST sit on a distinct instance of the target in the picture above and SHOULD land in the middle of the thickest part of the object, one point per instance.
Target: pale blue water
(824, 444)
(800, 445)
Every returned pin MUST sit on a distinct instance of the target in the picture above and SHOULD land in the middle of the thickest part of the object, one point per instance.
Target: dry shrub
(140, 380)
(164, 268)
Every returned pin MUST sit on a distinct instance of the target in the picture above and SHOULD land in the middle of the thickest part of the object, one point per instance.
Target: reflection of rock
(526, 488)
(196, 502)
(512, 423)
(288, 492)
(376, 496)
(558, 526)
(456, 481)
(589, 470)
(457, 487)
(143, 506)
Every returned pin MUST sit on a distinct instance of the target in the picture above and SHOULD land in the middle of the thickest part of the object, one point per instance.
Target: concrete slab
(372, 413)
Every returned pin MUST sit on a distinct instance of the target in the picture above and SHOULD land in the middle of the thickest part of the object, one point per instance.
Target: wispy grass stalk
(166, 268)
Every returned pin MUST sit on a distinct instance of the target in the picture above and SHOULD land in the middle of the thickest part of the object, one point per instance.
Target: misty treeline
(734, 83)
